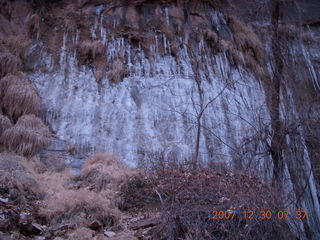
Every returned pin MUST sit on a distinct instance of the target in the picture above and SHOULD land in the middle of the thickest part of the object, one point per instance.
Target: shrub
(5, 123)
(190, 198)
(27, 137)
(187, 199)
(137, 193)
(19, 96)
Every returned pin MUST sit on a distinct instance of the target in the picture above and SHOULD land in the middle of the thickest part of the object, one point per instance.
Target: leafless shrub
(89, 50)
(19, 96)
(5, 123)
(9, 63)
(118, 72)
(137, 193)
(25, 138)
(188, 200)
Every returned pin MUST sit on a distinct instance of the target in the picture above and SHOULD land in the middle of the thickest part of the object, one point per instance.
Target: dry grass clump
(9, 79)
(190, 198)
(9, 63)
(78, 201)
(119, 71)
(18, 96)
(248, 51)
(89, 50)
(5, 123)
(28, 137)
(16, 182)
(80, 206)
(17, 44)
(246, 39)
(104, 171)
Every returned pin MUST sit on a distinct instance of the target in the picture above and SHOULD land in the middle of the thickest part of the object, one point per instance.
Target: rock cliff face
(179, 81)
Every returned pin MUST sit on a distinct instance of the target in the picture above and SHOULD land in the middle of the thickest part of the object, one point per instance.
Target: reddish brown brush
(190, 198)
(187, 201)
(27, 137)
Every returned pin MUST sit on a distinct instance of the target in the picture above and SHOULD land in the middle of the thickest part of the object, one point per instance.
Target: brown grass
(9, 79)
(78, 201)
(17, 44)
(104, 171)
(249, 43)
(5, 123)
(246, 38)
(15, 180)
(79, 206)
(19, 96)
(90, 197)
(26, 139)
(9, 63)
(118, 72)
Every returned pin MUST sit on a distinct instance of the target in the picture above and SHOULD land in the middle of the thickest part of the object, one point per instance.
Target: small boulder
(109, 233)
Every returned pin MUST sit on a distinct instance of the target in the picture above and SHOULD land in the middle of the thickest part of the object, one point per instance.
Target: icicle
(165, 44)
(311, 69)
(63, 54)
(103, 32)
(167, 16)
(93, 29)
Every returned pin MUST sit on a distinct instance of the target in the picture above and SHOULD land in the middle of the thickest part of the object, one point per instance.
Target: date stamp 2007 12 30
(264, 214)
